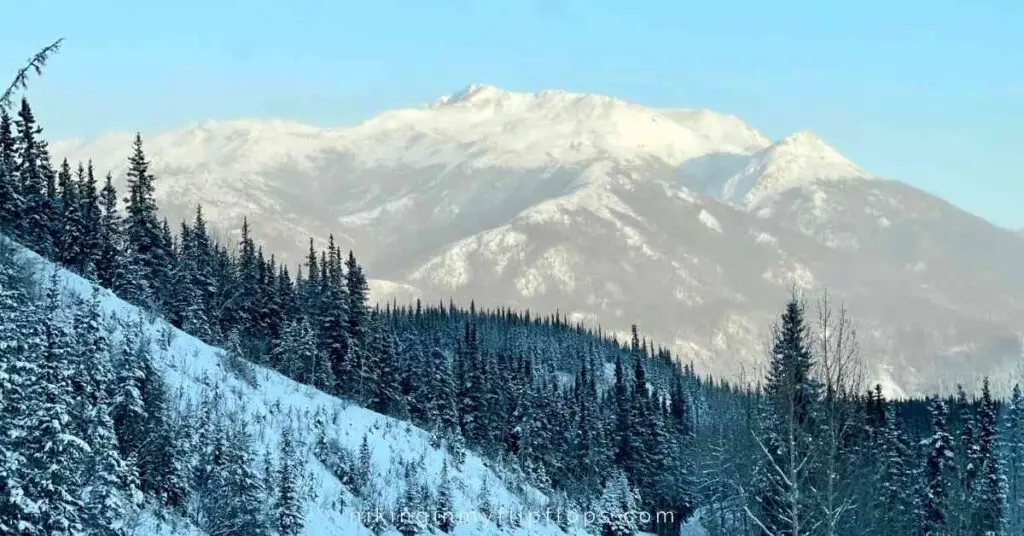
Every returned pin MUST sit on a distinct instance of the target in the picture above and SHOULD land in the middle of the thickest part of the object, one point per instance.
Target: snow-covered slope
(192, 368)
(687, 222)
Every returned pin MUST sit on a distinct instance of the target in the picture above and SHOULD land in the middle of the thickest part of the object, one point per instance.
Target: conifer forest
(98, 436)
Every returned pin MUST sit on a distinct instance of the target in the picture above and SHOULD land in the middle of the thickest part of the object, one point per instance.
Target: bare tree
(34, 64)
(841, 372)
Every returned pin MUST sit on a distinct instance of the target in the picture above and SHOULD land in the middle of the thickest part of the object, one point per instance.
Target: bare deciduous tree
(841, 372)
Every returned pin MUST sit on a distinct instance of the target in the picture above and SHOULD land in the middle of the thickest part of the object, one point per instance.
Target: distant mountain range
(689, 223)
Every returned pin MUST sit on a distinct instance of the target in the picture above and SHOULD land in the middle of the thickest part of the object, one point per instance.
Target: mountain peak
(796, 160)
(474, 93)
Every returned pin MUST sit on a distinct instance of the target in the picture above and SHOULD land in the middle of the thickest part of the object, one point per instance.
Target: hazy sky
(931, 93)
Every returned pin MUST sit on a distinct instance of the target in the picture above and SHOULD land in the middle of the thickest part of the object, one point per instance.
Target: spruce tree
(90, 212)
(444, 511)
(144, 240)
(1013, 448)
(109, 492)
(356, 298)
(110, 240)
(35, 175)
(990, 491)
(788, 429)
(19, 342)
(289, 519)
(53, 451)
(937, 474)
(12, 205)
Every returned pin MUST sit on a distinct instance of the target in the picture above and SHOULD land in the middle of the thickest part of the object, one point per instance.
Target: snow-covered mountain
(688, 222)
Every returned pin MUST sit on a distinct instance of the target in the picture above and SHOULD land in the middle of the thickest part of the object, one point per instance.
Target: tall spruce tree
(788, 430)
(12, 205)
(110, 240)
(938, 474)
(34, 174)
(990, 490)
(144, 240)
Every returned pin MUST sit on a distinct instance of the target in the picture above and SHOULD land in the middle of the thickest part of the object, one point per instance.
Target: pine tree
(12, 205)
(410, 510)
(937, 474)
(90, 214)
(144, 241)
(53, 451)
(896, 478)
(788, 429)
(66, 226)
(618, 504)
(109, 264)
(19, 341)
(1013, 446)
(364, 468)
(356, 299)
(439, 401)
(444, 514)
(289, 520)
(109, 491)
(35, 174)
(990, 491)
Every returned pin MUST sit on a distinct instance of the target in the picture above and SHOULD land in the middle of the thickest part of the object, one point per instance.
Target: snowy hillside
(194, 370)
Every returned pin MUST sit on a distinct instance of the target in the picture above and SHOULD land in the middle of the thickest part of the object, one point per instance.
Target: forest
(598, 424)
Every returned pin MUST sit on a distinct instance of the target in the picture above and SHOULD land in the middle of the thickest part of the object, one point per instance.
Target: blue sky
(931, 93)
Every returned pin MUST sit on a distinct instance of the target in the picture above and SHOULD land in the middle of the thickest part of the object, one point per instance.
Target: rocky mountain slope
(688, 222)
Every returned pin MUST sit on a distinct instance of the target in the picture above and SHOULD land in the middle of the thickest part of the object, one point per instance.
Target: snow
(764, 238)
(795, 274)
(451, 269)
(797, 160)
(554, 266)
(693, 526)
(382, 291)
(190, 367)
(709, 221)
(496, 126)
(367, 217)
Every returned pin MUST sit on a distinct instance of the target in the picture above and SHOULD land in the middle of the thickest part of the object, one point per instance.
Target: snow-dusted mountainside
(194, 370)
(688, 222)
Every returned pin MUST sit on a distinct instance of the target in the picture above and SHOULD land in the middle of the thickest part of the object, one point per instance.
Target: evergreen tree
(990, 491)
(356, 298)
(19, 340)
(53, 452)
(109, 493)
(1013, 448)
(91, 221)
(618, 505)
(937, 474)
(144, 240)
(35, 175)
(444, 510)
(12, 205)
(110, 240)
(289, 519)
(786, 474)
(66, 233)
